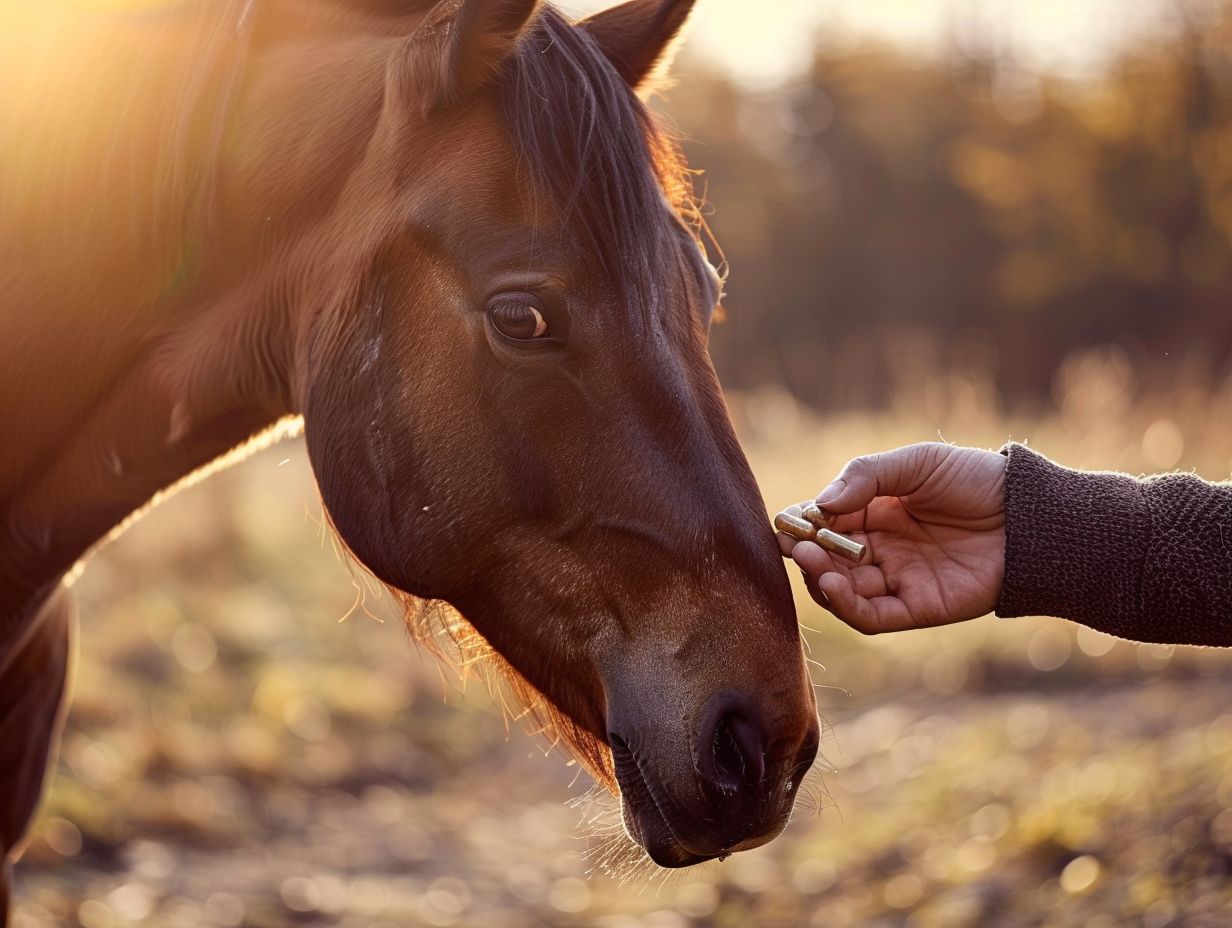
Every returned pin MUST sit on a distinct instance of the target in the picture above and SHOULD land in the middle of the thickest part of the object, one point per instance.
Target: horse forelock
(611, 170)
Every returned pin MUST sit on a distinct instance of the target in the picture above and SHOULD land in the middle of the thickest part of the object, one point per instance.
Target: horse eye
(518, 318)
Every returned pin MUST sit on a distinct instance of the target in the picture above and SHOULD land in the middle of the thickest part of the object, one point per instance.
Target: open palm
(933, 519)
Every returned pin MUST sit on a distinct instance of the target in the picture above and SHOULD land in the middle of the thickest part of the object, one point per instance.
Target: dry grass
(236, 755)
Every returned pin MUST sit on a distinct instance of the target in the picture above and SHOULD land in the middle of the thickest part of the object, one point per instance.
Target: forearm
(1145, 559)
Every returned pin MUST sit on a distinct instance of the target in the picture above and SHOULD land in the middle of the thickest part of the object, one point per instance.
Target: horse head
(510, 407)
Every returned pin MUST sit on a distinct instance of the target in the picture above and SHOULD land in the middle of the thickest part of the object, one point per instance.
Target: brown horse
(452, 239)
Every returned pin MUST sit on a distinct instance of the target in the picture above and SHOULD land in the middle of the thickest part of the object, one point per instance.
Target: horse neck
(141, 436)
(148, 390)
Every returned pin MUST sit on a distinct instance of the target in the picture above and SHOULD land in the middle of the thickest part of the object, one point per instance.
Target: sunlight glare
(762, 49)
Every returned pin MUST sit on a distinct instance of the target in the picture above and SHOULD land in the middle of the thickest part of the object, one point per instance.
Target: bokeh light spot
(194, 647)
(62, 836)
(569, 895)
(224, 909)
(903, 891)
(95, 914)
(1163, 444)
(1049, 648)
(1093, 643)
(1080, 874)
(300, 894)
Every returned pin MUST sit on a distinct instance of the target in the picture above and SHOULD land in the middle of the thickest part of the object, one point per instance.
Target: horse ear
(464, 42)
(640, 37)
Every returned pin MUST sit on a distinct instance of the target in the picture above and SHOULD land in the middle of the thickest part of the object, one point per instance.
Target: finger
(813, 559)
(888, 473)
(815, 592)
(868, 616)
(868, 581)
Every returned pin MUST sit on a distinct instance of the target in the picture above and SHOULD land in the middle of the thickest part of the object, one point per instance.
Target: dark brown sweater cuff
(1145, 559)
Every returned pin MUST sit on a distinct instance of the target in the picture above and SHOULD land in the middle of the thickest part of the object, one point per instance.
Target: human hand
(932, 517)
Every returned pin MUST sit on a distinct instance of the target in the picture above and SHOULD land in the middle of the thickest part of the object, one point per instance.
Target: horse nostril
(808, 749)
(737, 752)
(805, 755)
(728, 761)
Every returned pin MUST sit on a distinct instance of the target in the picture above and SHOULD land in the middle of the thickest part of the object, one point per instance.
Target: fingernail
(830, 493)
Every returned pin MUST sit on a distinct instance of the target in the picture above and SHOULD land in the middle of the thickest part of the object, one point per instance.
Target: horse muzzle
(726, 785)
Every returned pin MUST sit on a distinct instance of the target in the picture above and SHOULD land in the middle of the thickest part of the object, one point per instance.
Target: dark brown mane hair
(598, 153)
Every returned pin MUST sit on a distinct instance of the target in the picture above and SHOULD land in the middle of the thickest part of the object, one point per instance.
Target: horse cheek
(364, 470)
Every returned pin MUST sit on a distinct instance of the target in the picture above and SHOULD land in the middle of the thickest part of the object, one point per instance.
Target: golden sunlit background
(972, 220)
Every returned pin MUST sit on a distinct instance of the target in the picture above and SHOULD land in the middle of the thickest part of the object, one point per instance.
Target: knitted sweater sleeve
(1148, 559)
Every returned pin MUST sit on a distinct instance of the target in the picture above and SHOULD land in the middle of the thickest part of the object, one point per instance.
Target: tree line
(887, 214)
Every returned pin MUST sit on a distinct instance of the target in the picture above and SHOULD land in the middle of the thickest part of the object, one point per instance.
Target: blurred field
(237, 755)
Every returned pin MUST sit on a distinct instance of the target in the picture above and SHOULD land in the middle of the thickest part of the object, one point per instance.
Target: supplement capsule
(815, 515)
(804, 530)
(795, 527)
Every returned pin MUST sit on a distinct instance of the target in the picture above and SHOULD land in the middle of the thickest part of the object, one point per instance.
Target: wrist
(1075, 543)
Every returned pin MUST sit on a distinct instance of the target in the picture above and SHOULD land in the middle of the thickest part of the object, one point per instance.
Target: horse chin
(649, 828)
(644, 817)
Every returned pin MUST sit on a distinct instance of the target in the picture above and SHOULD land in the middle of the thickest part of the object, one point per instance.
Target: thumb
(888, 473)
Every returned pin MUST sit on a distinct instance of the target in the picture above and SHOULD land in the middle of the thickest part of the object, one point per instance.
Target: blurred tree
(888, 217)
